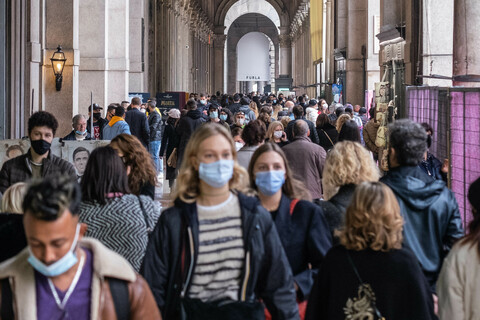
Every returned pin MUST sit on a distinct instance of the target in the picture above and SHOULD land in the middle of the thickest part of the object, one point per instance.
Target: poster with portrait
(78, 152)
(10, 149)
(382, 92)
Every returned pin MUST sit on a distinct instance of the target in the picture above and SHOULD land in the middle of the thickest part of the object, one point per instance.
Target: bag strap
(292, 205)
(328, 137)
(377, 312)
(144, 215)
(6, 312)
(120, 296)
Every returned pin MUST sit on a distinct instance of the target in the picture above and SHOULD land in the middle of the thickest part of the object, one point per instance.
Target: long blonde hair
(347, 162)
(271, 130)
(254, 108)
(372, 220)
(341, 121)
(188, 181)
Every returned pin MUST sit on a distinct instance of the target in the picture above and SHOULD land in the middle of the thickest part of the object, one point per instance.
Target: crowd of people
(278, 210)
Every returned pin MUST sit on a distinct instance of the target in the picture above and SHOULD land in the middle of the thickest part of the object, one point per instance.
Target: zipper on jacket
(190, 269)
(247, 275)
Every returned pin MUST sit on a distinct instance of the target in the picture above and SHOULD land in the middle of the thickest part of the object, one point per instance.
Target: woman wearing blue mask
(303, 230)
(216, 252)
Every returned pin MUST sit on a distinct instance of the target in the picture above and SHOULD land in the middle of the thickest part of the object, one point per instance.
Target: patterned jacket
(129, 237)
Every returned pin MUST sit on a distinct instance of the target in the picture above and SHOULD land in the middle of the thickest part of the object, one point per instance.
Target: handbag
(172, 160)
(369, 295)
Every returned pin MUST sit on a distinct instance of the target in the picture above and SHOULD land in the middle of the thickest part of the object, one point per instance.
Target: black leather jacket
(155, 124)
(266, 275)
(431, 215)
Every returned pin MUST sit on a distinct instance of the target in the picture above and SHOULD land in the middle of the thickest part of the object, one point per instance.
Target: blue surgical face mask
(203, 101)
(59, 267)
(269, 182)
(80, 133)
(223, 117)
(213, 115)
(216, 174)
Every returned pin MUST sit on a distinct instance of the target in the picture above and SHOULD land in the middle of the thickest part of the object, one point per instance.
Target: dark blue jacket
(138, 125)
(266, 276)
(306, 239)
(432, 218)
(71, 136)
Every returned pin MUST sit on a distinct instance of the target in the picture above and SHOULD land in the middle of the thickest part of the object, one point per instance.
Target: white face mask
(278, 134)
(238, 145)
(241, 121)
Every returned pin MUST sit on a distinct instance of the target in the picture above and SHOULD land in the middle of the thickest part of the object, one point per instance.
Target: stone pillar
(466, 41)
(136, 49)
(357, 37)
(104, 46)
(285, 58)
(260, 85)
(249, 87)
(218, 53)
(61, 21)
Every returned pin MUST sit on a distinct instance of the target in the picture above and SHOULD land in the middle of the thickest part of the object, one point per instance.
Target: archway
(248, 23)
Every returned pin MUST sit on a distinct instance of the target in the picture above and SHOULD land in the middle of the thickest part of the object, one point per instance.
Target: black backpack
(118, 289)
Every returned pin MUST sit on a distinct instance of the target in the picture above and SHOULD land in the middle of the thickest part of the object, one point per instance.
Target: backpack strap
(6, 312)
(292, 205)
(120, 296)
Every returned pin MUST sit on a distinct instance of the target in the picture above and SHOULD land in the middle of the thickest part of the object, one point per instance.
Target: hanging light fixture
(58, 62)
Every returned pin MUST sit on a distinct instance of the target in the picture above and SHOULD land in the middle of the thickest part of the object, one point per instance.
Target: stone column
(260, 85)
(219, 46)
(285, 52)
(466, 41)
(357, 37)
(104, 46)
(61, 21)
(136, 49)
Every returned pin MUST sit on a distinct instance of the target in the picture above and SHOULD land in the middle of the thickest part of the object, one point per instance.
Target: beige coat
(458, 285)
(106, 263)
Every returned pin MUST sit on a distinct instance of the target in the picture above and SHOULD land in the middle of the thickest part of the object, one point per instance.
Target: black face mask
(40, 146)
(97, 116)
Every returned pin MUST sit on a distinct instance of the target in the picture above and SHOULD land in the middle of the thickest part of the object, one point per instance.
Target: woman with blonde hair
(370, 275)
(291, 208)
(254, 108)
(341, 121)
(12, 199)
(142, 176)
(216, 252)
(276, 134)
(347, 164)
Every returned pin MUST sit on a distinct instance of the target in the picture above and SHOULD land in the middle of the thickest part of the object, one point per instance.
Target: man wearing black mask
(38, 162)
(98, 122)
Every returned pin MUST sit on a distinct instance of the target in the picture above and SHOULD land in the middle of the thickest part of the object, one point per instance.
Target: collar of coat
(106, 264)
(114, 120)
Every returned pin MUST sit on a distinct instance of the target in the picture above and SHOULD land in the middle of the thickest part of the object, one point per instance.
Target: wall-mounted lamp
(58, 62)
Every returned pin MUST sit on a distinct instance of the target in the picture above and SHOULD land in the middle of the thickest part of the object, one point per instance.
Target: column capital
(219, 40)
(285, 40)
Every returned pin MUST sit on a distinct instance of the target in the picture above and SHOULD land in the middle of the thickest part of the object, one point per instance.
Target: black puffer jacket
(266, 276)
(155, 124)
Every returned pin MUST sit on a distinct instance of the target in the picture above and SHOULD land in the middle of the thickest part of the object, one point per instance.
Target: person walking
(457, 287)
(433, 222)
(106, 201)
(301, 225)
(137, 120)
(117, 125)
(370, 275)
(306, 159)
(298, 113)
(216, 252)
(155, 140)
(64, 275)
(186, 126)
(170, 141)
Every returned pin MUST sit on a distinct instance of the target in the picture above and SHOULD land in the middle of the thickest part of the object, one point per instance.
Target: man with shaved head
(306, 159)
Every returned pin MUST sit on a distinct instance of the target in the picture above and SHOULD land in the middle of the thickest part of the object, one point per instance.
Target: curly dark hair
(409, 140)
(47, 199)
(137, 157)
(254, 133)
(42, 119)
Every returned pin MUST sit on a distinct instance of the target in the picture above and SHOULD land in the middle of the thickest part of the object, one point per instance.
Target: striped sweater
(221, 252)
